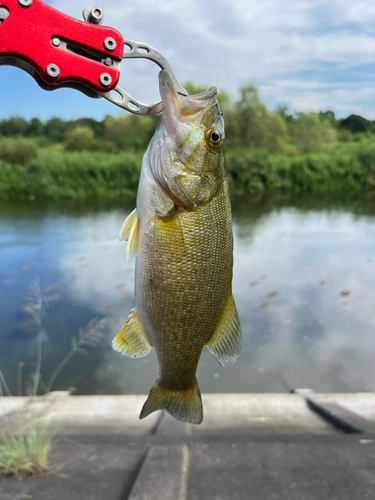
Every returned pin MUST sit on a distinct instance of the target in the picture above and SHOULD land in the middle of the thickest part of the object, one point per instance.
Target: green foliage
(17, 151)
(251, 124)
(345, 167)
(13, 126)
(26, 451)
(25, 444)
(79, 139)
(312, 134)
(57, 174)
(355, 124)
(131, 133)
(55, 129)
(266, 150)
(285, 113)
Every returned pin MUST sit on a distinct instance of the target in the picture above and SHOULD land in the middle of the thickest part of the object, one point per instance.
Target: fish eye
(214, 137)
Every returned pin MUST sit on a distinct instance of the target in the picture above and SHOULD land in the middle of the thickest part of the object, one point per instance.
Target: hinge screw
(110, 44)
(53, 71)
(56, 41)
(25, 3)
(105, 79)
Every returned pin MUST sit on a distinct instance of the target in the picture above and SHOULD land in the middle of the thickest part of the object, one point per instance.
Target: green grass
(345, 167)
(56, 173)
(26, 441)
(25, 452)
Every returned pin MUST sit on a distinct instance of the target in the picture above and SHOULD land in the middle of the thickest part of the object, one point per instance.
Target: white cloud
(266, 42)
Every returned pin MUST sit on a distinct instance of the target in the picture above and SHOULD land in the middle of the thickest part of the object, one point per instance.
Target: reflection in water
(303, 282)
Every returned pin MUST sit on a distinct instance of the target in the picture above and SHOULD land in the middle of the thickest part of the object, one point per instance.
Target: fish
(181, 234)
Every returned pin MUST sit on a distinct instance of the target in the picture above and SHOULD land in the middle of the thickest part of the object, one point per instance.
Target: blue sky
(308, 54)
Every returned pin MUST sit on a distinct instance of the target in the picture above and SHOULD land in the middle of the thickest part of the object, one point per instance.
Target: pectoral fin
(131, 340)
(225, 342)
(130, 231)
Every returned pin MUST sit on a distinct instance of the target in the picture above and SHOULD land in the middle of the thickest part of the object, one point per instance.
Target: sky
(310, 55)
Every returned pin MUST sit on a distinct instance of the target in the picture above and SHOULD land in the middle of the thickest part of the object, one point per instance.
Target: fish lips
(182, 109)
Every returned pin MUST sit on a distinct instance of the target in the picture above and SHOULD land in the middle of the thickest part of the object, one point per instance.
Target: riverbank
(54, 173)
(272, 445)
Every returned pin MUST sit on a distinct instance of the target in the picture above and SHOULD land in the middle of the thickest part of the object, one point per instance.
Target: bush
(58, 174)
(132, 133)
(250, 124)
(346, 167)
(17, 151)
(79, 139)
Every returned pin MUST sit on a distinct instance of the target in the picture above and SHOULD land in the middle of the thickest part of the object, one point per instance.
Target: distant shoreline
(53, 173)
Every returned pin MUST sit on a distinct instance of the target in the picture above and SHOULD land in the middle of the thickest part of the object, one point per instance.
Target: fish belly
(183, 277)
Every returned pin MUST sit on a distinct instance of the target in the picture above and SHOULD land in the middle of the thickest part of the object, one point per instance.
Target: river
(304, 278)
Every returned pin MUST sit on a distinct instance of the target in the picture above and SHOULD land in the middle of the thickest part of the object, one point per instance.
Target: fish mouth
(178, 108)
(170, 101)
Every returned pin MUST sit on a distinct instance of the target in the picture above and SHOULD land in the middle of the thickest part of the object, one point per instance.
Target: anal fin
(131, 340)
(225, 342)
(130, 231)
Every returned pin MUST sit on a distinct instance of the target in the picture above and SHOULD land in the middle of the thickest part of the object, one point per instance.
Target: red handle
(81, 52)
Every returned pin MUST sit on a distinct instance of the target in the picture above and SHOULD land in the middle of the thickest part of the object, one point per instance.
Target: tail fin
(183, 405)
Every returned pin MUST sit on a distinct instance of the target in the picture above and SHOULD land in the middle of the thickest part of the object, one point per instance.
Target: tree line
(248, 122)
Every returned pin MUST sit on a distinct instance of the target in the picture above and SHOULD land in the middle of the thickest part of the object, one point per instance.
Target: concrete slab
(243, 413)
(258, 446)
(163, 474)
(304, 468)
(8, 405)
(99, 468)
(170, 428)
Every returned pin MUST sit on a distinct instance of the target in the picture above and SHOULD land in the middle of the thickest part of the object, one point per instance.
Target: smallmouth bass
(181, 232)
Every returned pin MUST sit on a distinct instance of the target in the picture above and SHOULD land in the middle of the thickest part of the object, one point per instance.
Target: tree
(56, 128)
(35, 128)
(355, 123)
(284, 111)
(250, 123)
(130, 133)
(311, 134)
(13, 127)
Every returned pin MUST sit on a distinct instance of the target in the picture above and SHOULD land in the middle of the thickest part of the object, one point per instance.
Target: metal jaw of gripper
(122, 99)
(136, 50)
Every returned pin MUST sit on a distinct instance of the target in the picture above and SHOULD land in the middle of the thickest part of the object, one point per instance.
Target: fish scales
(188, 262)
(181, 232)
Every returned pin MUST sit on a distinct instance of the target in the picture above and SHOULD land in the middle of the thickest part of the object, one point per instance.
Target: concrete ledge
(229, 413)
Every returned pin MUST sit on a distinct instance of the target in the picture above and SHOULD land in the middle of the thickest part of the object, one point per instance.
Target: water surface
(304, 278)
